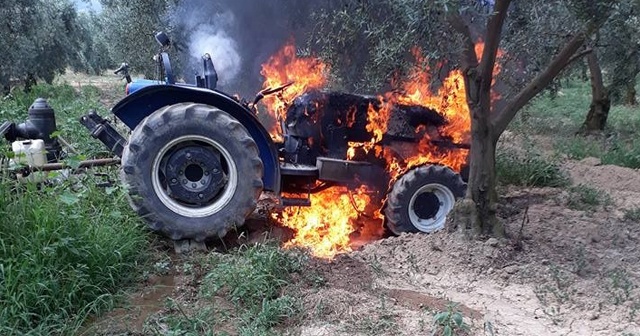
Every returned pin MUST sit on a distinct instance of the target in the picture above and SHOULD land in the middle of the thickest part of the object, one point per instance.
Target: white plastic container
(30, 152)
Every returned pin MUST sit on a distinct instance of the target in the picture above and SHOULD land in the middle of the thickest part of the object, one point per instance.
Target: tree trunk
(478, 215)
(630, 94)
(600, 101)
(30, 82)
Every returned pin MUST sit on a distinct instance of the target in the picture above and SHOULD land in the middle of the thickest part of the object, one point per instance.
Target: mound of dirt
(562, 271)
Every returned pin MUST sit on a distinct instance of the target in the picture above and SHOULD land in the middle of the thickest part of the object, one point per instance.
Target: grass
(65, 253)
(67, 248)
(583, 197)
(528, 169)
(246, 292)
(632, 215)
(561, 118)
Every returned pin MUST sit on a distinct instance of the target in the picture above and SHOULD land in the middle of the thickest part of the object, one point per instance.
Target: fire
(327, 226)
(450, 100)
(285, 67)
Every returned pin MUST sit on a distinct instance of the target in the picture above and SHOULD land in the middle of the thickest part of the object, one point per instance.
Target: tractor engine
(324, 123)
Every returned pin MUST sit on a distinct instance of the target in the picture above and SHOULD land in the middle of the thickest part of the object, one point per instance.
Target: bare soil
(561, 272)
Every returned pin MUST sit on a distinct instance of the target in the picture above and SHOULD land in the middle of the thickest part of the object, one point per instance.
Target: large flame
(284, 67)
(329, 225)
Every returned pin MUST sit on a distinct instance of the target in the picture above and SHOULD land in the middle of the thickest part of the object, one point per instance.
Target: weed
(253, 280)
(635, 307)
(620, 285)
(580, 261)
(382, 322)
(528, 170)
(65, 253)
(579, 147)
(377, 267)
(632, 215)
(583, 197)
(559, 287)
(449, 322)
(375, 325)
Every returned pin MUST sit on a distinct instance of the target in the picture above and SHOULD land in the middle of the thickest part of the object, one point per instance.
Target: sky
(86, 5)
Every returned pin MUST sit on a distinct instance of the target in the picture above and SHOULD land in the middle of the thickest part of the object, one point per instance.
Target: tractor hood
(139, 84)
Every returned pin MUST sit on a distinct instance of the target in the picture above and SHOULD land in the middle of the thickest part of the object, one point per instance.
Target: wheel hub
(427, 205)
(194, 174)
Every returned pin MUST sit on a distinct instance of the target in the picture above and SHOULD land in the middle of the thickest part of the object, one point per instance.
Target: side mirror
(163, 39)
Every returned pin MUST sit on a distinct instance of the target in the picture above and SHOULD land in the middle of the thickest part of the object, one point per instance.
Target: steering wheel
(269, 91)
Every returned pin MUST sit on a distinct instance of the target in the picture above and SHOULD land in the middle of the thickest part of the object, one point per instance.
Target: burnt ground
(568, 269)
(564, 271)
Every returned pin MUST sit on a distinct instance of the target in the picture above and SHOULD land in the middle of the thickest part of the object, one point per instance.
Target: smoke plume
(214, 40)
(240, 35)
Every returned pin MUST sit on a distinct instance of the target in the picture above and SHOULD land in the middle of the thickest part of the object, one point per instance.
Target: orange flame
(326, 227)
(284, 67)
(329, 225)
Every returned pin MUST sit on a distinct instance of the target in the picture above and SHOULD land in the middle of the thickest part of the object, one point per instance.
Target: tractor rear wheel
(421, 199)
(192, 171)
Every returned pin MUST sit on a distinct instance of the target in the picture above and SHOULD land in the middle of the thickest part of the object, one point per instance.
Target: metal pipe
(60, 166)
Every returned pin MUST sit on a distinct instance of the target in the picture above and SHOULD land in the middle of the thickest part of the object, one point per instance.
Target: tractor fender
(138, 105)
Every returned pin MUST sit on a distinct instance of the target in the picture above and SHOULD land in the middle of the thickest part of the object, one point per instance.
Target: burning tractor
(197, 159)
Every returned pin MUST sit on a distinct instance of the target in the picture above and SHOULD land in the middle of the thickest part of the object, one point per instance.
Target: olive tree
(450, 29)
(42, 39)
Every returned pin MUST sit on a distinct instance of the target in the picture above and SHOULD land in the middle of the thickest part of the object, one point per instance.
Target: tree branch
(502, 119)
(493, 36)
(469, 59)
(579, 55)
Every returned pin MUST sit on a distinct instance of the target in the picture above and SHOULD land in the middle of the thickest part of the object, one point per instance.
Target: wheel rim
(429, 207)
(191, 174)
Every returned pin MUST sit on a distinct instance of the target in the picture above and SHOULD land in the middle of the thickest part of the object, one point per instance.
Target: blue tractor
(197, 159)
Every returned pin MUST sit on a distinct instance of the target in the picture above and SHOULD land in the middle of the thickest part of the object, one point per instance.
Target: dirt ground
(562, 272)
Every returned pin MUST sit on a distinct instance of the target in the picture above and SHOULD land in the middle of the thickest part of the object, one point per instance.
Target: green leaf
(110, 190)
(55, 134)
(68, 198)
(74, 161)
(447, 331)
(441, 317)
(457, 319)
(115, 214)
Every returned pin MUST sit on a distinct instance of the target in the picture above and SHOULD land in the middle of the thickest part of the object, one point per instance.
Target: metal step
(292, 169)
(295, 202)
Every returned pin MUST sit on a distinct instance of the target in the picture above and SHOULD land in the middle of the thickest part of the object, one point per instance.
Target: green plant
(620, 285)
(449, 322)
(253, 279)
(583, 197)
(528, 170)
(632, 214)
(65, 253)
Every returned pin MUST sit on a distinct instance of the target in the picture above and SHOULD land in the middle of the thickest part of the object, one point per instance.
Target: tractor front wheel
(192, 171)
(421, 199)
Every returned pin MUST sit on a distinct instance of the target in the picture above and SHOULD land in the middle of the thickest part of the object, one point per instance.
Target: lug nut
(185, 181)
(174, 180)
(200, 196)
(188, 155)
(215, 171)
(193, 185)
(206, 173)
